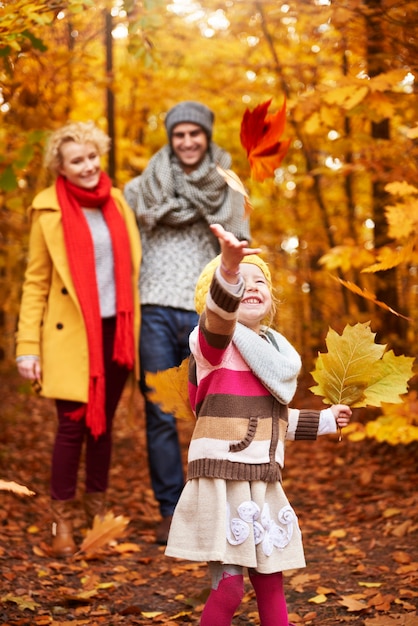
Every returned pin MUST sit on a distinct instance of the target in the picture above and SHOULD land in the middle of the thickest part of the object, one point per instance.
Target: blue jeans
(164, 343)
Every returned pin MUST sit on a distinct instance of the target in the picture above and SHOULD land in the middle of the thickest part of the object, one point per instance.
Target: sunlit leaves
(348, 97)
(358, 372)
(398, 424)
(261, 137)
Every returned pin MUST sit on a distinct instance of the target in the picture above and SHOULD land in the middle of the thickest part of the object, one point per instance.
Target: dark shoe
(163, 529)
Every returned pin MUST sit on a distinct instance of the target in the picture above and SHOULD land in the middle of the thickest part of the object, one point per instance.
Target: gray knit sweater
(174, 211)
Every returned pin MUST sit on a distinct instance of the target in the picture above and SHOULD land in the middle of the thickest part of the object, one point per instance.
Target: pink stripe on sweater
(230, 382)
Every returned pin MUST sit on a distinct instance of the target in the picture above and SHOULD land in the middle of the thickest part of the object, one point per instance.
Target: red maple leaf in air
(260, 136)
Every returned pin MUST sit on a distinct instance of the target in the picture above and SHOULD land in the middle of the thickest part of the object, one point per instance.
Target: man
(179, 194)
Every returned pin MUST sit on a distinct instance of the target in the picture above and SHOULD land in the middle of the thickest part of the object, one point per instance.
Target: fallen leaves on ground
(357, 505)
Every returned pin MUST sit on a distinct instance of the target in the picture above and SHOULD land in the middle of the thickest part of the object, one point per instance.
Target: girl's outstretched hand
(342, 414)
(232, 249)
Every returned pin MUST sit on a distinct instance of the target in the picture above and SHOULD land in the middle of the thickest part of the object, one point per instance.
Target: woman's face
(256, 303)
(80, 164)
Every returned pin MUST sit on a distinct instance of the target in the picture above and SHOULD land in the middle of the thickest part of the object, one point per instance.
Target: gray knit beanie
(189, 111)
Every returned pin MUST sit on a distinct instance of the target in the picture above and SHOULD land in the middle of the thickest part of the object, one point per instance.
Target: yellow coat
(51, 323)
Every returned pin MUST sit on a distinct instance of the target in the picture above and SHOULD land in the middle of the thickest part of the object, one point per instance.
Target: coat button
(60, 326)
(64, 291)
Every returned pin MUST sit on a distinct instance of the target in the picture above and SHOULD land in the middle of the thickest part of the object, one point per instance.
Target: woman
(79, 319)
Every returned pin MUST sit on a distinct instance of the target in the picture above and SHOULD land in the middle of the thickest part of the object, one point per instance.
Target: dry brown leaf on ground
(103, 531)
(20, 490)
(353, 603)
(392, 620)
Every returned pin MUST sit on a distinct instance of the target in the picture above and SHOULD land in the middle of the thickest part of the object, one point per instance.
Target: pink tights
(270, 596)
(223, 600)
(228, 590)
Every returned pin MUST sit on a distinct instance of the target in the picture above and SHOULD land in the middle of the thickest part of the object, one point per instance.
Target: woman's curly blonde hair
(80, 132)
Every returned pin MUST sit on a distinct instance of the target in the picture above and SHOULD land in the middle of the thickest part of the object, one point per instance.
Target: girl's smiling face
(256, 303)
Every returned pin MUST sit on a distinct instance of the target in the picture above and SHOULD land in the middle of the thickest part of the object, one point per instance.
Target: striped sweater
(242, 416)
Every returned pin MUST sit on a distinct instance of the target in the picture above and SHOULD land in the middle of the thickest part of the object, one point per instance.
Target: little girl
(233, 511)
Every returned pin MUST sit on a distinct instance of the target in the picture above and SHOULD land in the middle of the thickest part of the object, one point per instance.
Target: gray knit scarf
(275, 361)
(169, 196)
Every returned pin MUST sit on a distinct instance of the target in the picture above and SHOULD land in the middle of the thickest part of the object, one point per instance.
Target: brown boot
(94, 504)
(62, 529)
(162, 531)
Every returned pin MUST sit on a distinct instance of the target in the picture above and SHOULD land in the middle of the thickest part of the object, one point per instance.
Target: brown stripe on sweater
(308, 423)
(213, 339)
(244, 406)
(224, 300)
(228, 470)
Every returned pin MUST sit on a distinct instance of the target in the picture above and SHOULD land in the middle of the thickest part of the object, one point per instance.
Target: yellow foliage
(348, 96)
(401, 188)
(358, 372)
(170, 390)
(388, 258)
(387, 81)
(398, 424)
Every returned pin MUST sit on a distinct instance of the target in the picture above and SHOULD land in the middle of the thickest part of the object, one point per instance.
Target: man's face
(190, 144)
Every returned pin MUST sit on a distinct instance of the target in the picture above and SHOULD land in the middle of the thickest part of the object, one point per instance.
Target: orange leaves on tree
(260, 136)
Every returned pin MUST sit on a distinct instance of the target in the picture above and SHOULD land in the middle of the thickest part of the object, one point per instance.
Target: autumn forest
(337, 221)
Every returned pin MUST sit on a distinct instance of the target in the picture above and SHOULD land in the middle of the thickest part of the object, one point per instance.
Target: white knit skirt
(237, 523)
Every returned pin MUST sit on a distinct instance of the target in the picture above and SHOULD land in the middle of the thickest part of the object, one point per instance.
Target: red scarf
(80, 251)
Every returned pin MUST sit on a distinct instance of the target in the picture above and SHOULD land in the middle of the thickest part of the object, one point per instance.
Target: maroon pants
(71, 434)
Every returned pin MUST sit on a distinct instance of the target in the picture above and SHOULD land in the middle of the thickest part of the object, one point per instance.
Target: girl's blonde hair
(80, 132)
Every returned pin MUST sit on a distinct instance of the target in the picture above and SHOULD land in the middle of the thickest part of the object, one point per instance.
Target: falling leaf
(260, 136)
(170, 390)
(358, 372)
(369, 296)
(20, 490)
(103, 531)
(236, 184)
